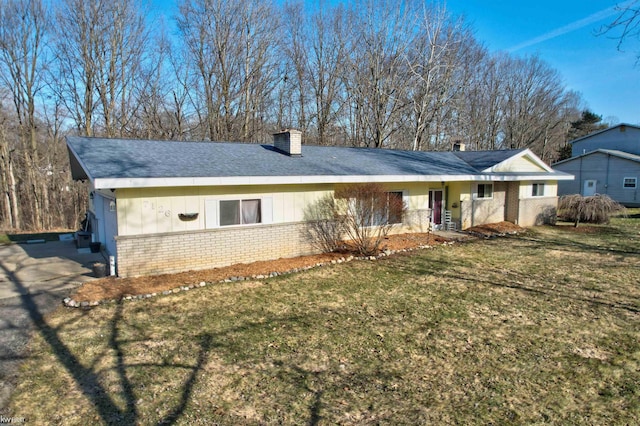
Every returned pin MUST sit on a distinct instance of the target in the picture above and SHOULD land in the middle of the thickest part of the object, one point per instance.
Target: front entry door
(435, 204)
(589, 188)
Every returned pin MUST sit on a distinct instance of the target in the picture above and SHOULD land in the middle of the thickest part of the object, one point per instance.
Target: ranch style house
(166, 206)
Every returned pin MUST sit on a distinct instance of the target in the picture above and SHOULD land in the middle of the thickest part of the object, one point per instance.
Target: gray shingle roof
(122, 158)
(597, 132)
(482, 160)
(614, 152)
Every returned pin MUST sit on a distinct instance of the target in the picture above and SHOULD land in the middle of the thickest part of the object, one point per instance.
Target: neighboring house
(605, 162)
(163, 207)
(621, 137)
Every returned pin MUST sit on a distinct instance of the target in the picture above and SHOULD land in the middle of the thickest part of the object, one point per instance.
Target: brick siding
(212, 248)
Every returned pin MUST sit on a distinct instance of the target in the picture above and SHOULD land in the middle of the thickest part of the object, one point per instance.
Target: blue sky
(562, 32)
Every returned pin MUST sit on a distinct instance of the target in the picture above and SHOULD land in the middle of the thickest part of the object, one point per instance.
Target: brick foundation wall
(416, 221)
(212, 248)
(537, 211)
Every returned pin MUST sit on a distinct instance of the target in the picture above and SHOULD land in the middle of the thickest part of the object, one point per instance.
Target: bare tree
(597, 208)
(100, 47)
(377, 76)
(367, 213)
(11, 209)
(534, 104)
(435, 61)
(481, 105)
(23, 26)
(295, 75)
(231, 45)
(626, 24)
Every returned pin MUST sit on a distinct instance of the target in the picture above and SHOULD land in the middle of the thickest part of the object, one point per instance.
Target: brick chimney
(288, 142)
(459, 146)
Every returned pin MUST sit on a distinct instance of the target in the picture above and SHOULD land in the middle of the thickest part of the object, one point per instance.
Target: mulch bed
(112, 288)
(495, 229)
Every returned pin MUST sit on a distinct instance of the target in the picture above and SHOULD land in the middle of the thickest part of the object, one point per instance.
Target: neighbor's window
(239, 212)
(537, 190)
(485, 190)
(630, 182)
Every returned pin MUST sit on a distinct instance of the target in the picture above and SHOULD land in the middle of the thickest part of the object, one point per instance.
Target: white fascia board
(534, 176)
(267, 180)
(115, 183)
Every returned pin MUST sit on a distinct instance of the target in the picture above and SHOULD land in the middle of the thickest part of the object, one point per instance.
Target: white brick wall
(192, 250)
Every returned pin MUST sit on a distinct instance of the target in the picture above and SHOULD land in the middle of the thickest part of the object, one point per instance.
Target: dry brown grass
(542, 328)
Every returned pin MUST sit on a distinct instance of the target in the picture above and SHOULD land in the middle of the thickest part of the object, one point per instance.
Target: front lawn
(539, 328)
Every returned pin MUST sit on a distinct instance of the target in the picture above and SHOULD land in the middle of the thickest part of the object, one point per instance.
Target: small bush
(324, 226)
(593, 209)
(362, 214)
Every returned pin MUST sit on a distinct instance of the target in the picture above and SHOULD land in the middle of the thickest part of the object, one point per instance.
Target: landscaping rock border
(70, 303)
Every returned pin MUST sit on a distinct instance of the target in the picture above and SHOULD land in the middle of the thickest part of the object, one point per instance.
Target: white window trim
(475, 193)
(544, 189)
(635, 182)
(212, 211)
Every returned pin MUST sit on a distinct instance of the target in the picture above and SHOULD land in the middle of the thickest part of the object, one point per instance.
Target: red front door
(435, 204)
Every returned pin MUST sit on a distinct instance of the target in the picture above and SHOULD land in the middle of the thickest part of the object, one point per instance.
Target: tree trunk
(13, 194)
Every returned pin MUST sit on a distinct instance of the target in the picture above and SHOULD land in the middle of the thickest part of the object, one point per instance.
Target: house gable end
(524, 161)
(623, 137)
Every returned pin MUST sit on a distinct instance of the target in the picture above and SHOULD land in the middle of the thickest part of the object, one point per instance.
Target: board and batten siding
(156, 210)
(143, 211)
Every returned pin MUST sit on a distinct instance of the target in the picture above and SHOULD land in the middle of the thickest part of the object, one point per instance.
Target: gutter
(115, 183)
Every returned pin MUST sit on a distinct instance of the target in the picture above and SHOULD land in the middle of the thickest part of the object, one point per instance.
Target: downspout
(606, 184)
(580, 183)
(473, 204)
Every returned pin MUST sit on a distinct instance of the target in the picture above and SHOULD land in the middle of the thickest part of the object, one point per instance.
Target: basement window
(537, 190)
(630, 183)
(484, 191)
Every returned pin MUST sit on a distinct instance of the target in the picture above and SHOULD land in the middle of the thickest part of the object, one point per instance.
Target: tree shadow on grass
(449, 269)
(88, 380)
(121, 406)
(625, 245)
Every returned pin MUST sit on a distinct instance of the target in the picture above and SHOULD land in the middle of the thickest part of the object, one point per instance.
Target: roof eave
(580, 139)
(116, 183)
(78, 170)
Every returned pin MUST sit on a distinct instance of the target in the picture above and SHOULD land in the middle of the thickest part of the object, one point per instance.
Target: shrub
(593, 209)
(361, 214)
(324, 226)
